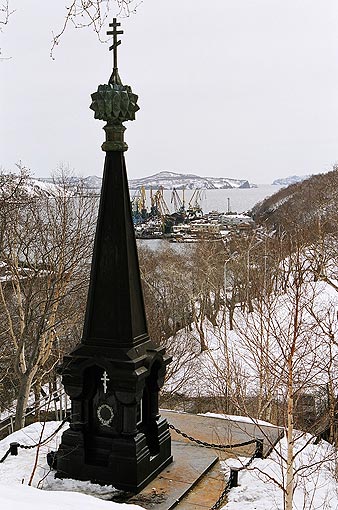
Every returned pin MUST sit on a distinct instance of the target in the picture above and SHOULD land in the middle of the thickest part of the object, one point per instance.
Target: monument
(113, 377)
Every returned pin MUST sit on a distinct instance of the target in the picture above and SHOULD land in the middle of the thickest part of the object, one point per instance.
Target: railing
(56, 402)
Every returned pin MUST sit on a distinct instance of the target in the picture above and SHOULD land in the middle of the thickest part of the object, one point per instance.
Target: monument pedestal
(190, 466)
(125, 463)
(116, 435)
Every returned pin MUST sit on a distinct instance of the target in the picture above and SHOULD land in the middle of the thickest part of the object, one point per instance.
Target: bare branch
(5, 13)
(92, 14)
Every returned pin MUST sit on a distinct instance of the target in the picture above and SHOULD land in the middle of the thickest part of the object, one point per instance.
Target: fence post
(233, 479)
(14, 448)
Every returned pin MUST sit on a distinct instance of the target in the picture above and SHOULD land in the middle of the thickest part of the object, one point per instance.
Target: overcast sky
(234, 88)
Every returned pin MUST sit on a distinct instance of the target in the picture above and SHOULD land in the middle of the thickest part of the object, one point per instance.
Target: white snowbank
(241, 419)
(316, 486)
(46, 491)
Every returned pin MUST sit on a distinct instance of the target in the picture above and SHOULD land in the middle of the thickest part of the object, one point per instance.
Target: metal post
(259, 449)
(14, 448)
(234, 477)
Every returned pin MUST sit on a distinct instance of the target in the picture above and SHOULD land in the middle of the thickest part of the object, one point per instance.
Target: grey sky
(235, 88)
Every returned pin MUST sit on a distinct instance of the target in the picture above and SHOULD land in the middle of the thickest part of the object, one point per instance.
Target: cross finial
(116, 43)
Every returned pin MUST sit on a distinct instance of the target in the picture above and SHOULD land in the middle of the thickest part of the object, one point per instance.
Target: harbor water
(222, 200)
(237, 200)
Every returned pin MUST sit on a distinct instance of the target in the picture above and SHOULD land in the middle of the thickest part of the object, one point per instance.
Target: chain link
(222, 496)
(228, 485)
(210, 445)
(41, 443)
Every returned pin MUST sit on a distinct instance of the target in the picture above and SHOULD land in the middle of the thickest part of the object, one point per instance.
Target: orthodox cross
(116, 43)
(105, 379)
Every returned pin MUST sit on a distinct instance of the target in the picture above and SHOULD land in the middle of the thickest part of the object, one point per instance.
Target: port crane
(179, 205)
(139, 205)
(194, 210)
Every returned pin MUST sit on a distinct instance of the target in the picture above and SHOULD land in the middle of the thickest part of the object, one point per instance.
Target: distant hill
(170, 180)
(93, 181)
(307, 206)
(292, 179)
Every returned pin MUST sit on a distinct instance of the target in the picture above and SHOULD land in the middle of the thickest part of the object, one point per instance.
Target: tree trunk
(289, 462)
(332, 410)
(199, 327)
(22, 400)
(37, 399)
(231, 306)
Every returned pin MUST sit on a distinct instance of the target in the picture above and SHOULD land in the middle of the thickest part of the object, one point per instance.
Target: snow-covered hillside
(292, 179)
(170, 180)
(260, 486)
(9, 186)
(258, 335)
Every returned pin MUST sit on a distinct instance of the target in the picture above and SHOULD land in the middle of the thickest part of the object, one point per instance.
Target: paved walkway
(194, 480)
(224, 431)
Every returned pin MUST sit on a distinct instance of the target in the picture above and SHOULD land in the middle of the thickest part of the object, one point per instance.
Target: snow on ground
(16, 471)
(242, 350)
(240, 419)
(316, 485)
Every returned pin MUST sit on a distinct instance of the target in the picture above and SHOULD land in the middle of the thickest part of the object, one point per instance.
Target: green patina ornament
(114, 102)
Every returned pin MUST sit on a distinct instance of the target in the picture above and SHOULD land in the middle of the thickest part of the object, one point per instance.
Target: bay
(239, 200)
(236, 200)
(221, 200)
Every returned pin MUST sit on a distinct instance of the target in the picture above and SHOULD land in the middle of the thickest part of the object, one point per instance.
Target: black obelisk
(116, 435)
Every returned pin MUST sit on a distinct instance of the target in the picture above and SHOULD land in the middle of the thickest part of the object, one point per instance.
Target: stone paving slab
(190, 465)
(225, 431)
(206, 492)
(194, 480)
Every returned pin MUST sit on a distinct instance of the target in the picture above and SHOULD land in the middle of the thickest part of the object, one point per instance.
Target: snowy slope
(202, 373)
(30, 187)
(286, 181)
(316, 486)
(170, 180)
(16, 471)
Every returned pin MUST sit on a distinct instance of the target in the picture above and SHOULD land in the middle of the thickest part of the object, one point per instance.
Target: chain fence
(233, 477)
(13, 447)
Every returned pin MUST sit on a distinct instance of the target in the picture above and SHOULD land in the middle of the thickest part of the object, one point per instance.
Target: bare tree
(285, 349)
(80, 14)
(207, 287)
(5, 13)
(93, 14)
(45, 254)
(166, 278)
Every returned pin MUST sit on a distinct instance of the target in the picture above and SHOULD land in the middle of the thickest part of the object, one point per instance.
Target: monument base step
(178, 479)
